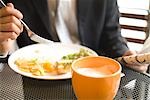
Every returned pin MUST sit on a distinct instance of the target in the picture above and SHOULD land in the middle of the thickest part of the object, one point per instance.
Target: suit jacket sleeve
(114, 44)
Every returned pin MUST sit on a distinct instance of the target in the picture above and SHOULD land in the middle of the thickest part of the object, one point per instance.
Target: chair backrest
(134, 19)
(141, 28)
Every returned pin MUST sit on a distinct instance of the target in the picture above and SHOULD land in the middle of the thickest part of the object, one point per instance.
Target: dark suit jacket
(97, 24)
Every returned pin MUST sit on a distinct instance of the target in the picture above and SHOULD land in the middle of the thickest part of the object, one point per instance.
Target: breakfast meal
(40, 67)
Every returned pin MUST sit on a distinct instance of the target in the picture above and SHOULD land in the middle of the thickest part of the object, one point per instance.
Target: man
(97, 25)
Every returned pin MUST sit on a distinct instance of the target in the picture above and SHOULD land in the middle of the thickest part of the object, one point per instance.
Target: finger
(10, 27)
(6, 11)
(4, 36)
(11, 19)
(129, 52)
(10, 5)
(139, 68)
(13, 36)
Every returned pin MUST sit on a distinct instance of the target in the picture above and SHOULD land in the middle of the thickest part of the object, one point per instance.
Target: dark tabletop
(133, 86)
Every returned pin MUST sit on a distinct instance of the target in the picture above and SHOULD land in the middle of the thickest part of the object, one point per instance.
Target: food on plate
(74, 56)
(63, 66)
(40, 67)
(34, 66)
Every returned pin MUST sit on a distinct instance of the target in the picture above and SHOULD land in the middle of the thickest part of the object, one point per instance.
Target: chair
(144, 29)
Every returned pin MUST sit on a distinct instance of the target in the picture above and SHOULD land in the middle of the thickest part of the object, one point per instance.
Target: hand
(10, 26)
(138, 67)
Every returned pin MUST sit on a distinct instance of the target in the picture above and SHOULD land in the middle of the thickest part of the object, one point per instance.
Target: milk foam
(94, 72)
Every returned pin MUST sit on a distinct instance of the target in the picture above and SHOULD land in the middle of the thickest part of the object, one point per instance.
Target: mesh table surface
(11, 86)
(134, 86)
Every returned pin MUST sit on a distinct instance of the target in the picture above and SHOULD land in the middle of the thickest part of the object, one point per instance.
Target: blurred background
(135, 21)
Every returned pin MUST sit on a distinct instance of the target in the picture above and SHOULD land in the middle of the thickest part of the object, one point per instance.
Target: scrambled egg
(34, 66)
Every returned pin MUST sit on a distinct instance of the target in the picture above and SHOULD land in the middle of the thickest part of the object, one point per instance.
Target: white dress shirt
(66, 22)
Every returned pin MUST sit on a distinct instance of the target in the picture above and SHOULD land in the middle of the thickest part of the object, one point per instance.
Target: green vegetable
(74, 56)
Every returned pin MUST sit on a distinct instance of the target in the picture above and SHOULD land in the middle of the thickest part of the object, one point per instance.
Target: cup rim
(106, 76)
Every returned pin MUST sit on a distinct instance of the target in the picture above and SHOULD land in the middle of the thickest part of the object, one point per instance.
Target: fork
(31, 34)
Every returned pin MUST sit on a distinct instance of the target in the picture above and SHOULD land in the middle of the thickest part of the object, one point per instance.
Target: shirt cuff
(3, 55)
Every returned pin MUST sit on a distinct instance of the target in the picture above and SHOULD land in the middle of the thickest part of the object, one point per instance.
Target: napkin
(146, 46)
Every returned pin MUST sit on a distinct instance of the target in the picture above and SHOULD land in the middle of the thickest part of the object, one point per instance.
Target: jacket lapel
(42, 9)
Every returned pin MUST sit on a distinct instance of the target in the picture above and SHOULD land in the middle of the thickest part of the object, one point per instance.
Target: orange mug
(96, 78)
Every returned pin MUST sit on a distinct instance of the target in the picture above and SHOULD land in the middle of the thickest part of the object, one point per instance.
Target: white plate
(53, 51)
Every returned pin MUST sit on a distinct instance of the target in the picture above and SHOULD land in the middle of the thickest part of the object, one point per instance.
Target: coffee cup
(96, 78)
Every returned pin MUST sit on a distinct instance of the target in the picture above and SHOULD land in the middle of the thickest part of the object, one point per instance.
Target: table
(133, 86)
